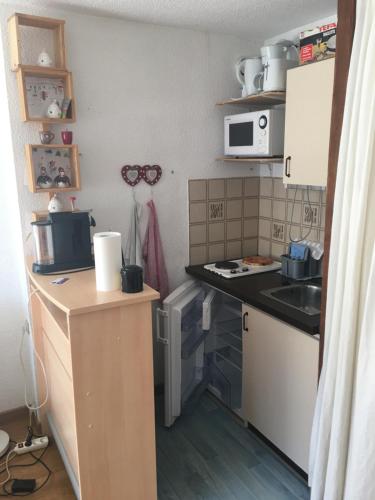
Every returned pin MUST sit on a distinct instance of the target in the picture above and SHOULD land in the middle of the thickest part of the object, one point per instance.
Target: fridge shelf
(226, 381)
(230, 339)
(194, 338)
(232, 326)
(231, 356)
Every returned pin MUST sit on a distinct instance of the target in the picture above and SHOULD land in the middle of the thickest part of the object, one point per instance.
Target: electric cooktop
(236, 268)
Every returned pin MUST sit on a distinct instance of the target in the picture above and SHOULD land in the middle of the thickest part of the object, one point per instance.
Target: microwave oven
(258, 133)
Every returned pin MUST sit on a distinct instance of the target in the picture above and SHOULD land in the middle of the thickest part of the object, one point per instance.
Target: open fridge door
(183, 324)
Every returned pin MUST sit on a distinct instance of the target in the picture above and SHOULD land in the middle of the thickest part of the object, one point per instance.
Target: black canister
(132, 279)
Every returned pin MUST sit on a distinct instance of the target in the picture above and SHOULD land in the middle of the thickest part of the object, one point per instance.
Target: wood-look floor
(207, 455)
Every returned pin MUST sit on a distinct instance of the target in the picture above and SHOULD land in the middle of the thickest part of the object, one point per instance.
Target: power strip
(36, 444)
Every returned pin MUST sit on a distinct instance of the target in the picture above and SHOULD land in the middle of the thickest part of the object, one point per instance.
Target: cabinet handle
(287, 166)
(244, 322)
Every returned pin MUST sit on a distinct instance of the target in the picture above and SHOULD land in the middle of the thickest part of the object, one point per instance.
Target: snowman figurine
(44, 181)
(62, 180)
(54, 110)
(44, 59)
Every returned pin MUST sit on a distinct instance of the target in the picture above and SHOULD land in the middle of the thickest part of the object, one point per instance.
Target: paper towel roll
(107, 253)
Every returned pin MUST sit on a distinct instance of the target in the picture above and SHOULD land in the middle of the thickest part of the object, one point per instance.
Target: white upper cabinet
(307, 123)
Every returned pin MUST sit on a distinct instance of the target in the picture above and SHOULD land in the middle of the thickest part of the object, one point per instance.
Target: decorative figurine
(62, 180)
(44, 59)
(53, 110)
(44, 181)
(46, 136)
(55, 204)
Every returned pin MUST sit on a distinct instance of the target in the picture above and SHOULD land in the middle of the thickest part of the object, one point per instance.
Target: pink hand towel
(155, 272)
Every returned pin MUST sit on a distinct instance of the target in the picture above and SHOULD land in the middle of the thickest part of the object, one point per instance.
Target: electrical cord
(7, 468)
(291, 217)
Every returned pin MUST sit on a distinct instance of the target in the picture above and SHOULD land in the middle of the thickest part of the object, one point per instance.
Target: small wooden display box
(53, 168)
(38, 87)
(17, 25)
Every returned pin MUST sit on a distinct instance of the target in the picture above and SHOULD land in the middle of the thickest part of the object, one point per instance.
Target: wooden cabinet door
(280, 375)
(307, 123)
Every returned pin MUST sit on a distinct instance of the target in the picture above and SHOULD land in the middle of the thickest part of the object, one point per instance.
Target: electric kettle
(248, 73)
(276, 60)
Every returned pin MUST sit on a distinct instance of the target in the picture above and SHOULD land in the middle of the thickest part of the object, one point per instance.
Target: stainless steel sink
(305, 298)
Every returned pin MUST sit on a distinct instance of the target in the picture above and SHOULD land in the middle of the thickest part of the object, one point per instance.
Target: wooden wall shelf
(15, 28)
(273, 159)
(262, 99)
(41, 155)
(27, 75)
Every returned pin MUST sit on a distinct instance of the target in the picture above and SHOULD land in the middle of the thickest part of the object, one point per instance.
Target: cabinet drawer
(57, 338)
(61, 402)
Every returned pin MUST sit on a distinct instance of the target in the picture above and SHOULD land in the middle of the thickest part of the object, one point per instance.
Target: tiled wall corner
(286, 213)
(223, 218)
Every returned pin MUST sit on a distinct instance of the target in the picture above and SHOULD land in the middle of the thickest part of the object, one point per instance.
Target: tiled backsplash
(276, 212)
(232, 218)
(223, 218)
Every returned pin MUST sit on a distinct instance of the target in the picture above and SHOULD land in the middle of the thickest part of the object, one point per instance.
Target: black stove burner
(226, 264)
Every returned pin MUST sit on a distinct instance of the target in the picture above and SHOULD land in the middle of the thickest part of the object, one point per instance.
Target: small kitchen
(223, 291)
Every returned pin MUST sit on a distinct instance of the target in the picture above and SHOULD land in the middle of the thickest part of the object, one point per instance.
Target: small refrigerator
(201, 329)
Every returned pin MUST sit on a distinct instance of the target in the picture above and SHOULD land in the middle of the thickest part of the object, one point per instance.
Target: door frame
(346, 13)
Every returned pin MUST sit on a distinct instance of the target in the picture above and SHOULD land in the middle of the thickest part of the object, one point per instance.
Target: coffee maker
(62, 242)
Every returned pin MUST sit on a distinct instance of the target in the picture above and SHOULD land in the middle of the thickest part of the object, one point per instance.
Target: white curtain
(342, 456)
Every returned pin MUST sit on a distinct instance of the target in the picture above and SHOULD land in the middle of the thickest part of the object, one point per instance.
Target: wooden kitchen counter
(79, 295)
(96, 348)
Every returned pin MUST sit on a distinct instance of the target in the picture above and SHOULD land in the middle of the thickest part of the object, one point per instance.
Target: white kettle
(276, 60)
(248, 73)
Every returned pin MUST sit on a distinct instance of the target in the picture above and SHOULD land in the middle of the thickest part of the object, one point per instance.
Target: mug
(67, 136)
(252, 68)
(46, 136)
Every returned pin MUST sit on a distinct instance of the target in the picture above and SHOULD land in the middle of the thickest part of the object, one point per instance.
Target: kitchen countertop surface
(248, 288)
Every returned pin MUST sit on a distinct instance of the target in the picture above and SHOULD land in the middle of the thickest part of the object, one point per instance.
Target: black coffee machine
(63, 242)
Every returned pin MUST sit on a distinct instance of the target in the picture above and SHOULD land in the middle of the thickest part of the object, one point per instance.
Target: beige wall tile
(310, 212)
(322, 216)
(312, 235)
(234, 187)
(278, 210)
(198, 255)
(233, 250)
(278, 231)
(216, 252)
(314, 195)
(250, 207)
(297, 213)
(216, 232)
(216, 189)
(198, 234)
(277, 249)
(264, 228)
(250, 228)
(234, 209)
(293, 232)
(198, 212)
(266, 186)
(197, 190)
(251, 186)
(265, 208)
(292, 193)
(279, 190)
(216, 210)
(234, 230)
(264, 247)
(250, 247)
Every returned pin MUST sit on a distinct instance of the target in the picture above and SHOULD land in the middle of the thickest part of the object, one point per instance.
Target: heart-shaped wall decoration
(132, 174)
(152, 174)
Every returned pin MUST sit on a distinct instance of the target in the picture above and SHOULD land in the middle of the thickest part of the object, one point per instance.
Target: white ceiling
(249, 19)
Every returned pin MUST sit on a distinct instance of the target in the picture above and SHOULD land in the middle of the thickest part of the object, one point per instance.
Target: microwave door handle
(287, 166)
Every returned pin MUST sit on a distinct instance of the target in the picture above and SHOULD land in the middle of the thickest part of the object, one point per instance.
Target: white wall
(145, 94)
(12, 278)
